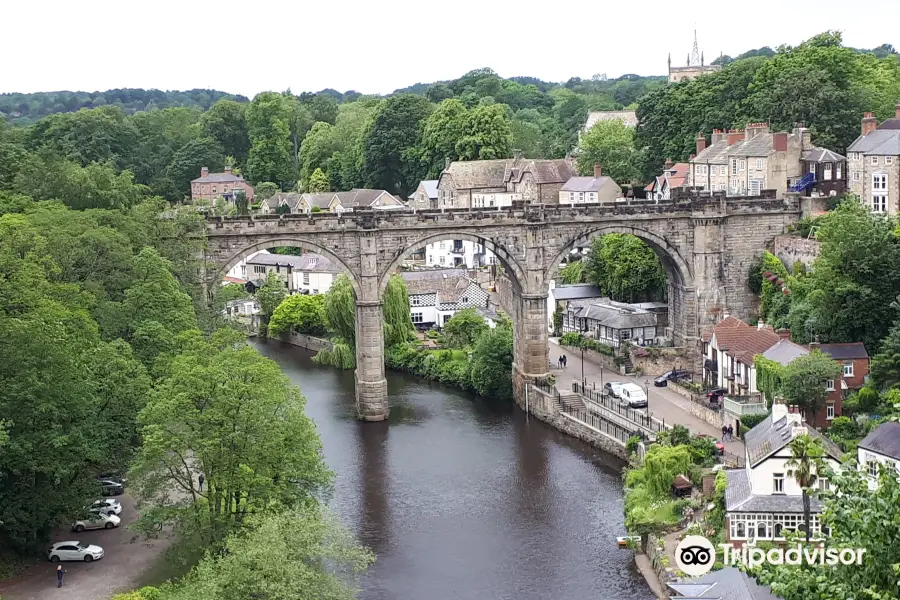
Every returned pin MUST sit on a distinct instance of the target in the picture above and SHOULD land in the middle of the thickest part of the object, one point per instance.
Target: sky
(249, 46)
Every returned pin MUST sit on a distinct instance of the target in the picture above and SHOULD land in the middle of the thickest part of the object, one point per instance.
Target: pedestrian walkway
(663, 403)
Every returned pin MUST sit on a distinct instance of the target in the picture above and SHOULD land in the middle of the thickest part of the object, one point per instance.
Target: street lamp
(647, 393)
(583, 383)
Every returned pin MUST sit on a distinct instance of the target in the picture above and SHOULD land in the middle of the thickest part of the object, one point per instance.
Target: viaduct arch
(706, 243)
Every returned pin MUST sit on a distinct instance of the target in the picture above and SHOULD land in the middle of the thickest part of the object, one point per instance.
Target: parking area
(127, 558)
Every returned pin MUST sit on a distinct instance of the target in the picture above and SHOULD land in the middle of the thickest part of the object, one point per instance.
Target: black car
(664, 379)
(111, 485)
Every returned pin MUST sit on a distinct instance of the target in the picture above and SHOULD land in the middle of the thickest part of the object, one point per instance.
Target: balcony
(457, 249)
(740, 406)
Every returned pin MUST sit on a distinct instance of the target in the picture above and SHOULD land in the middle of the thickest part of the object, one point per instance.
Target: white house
(880, 450)
(728, 352)
(762, 501)
(562, 293)
(458, 253)
(436, 295)
(612, 323)
(238, 273)
(305, 274)
(495, 199)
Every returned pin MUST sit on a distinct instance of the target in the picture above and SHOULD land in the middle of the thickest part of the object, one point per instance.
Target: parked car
(612, 388)
(96, 520)
(720, 447)
(664, 379)
(74, 551)
(108, 506)
(633, 395)
(110, 487)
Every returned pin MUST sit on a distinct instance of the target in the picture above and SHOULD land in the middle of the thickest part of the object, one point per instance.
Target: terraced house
(874, 160)
(436, 295)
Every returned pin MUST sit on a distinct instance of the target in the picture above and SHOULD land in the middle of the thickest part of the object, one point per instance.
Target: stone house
(210, 186)
(363, 198)
(746, 161)
(324, 201)
(308, 273)
(874, 163)
(483, 183)
(612, 323)
(438, 294)
(426, 195)
(674, 176)
(880, 450)
(590, 190)
(762, 501)
(282, 202)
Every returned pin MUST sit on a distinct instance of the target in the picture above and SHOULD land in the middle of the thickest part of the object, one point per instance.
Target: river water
(461, 500)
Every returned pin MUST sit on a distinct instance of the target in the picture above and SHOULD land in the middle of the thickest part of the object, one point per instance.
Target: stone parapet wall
(305, 341)
(791, 249)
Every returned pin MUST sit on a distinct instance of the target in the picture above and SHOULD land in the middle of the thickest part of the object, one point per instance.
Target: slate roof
(769, 437)
(315, 263)
(449, 284)
(759, 145)
(714, 154)
(357, 198)
(475, 174)
(784, 352)
(890, 124)
(543, 171)
(850, 351)
(320, 200)
(884, 439)
(629, 117)
(587, 184)
(609, 313)
(576, 291)
(742, 341)
(218, 178)
(739, 498)
(725, 584)
(289, 198)
(430, 187)
(881, 142)
(823, 155)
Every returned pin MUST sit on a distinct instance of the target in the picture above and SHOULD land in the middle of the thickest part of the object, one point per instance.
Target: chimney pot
(735, 136)
(598, 171)
(869, 123)
(204, 171)
(784, 334)
(446, 163)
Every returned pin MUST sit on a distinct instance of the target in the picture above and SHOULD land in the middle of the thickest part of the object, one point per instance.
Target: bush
(632, 444)
(576, 340)
(751, 421)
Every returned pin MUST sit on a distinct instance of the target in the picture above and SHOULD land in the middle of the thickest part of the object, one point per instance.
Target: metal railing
(597, 422)
(644, 420)
(546, 387)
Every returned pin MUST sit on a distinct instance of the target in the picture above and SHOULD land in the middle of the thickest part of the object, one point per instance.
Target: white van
(632, 395)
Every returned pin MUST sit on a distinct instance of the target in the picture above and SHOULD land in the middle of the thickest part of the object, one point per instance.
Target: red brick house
(210, 186)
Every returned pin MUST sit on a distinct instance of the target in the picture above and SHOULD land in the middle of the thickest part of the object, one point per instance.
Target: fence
(645, 420)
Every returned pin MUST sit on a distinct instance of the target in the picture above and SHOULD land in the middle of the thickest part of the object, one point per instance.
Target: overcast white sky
(250, 46)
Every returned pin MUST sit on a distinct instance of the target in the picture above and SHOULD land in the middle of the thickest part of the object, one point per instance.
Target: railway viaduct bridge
(706, 244)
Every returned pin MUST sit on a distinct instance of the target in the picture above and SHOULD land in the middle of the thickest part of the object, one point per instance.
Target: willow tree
(340, 318)
(398, 325)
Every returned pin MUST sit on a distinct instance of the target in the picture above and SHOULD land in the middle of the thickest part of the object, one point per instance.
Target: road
(663, 403)
(127, 558)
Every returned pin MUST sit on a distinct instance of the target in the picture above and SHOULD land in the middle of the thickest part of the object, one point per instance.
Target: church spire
(695, 53)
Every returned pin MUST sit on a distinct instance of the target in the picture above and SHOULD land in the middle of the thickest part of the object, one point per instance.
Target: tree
(885, 370)
(390, 144)
(464, 328)
(190, 158)
(300, 313)
(225, 122)
(270, 295)
(487, 134)
(803, 381)
(610, 144)
(155, 295)
(625, 268)
(269, 120)
(491, 363)
(572, 272)
(318, 182)
(224, 411)
(804, 466)
(398, 325)
(265, 190)
(441, 132)
(325, 561)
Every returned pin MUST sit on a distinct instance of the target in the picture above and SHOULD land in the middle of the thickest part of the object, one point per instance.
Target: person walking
(731, 433)
(724, 433)
(565, 360)
(59, 575)
(201, 479)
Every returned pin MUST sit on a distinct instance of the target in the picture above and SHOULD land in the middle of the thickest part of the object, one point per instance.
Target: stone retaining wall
(592, 356)
(544, 407)
(791, 249)
(656, 552)
(305, 341)
(660, 360)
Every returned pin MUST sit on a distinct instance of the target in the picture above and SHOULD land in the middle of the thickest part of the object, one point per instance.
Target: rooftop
(740, 498)
(430, 187)
(725, 584)
(884, 439)
(315, 263)
(768, 437)
(848, 351)
(823, 155)
(742, 341)
(587, 184)
(881, 142)
(629, 117)
(448, 284)
(576, 291)
(226, 177)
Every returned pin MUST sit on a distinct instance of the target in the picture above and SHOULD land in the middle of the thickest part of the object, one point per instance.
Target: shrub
(632, 444)
(751, 421)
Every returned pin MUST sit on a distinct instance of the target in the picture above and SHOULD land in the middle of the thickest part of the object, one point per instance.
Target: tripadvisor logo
(696, 555)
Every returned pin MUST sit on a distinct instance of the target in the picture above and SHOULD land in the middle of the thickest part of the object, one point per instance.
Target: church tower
(695, 66)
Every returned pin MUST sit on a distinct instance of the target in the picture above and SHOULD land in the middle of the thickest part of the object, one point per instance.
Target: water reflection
(460, 499)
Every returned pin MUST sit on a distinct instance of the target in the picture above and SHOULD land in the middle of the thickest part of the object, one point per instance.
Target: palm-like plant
(805, 464)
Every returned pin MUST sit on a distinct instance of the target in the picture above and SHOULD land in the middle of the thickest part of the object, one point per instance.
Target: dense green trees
(803, 381)
(625, 269)
(389, 151)
(299, 313)
(610, 144)
(269, 120)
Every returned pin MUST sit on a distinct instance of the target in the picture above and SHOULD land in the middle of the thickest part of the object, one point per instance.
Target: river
(461, 500)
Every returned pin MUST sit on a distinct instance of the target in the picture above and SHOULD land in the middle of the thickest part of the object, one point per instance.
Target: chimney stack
(780, 141)
(784, 334)
(869, 123)
(517, 154)
(735, 136)
(228, 169)
(668, 164)
(701, 142)
(779, 409)
(204, 171)
(598, 171)
(446, 163)
(692, 157)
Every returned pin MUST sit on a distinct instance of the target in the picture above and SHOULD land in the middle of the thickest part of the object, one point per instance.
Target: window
(856, 176)
(838, 171)
(823, 484)
(755, 187)
(592, 197)
(888, 160)
(829, 385)
(879, 182)
(879, 203)
(571, 197)
(581, 197)
(441, 245)
(464, 299)
(848, 368)
(742, 165)
(416, 317)
(759, 163)
(871, 465)
(778, 483)
(734, 163)
(258, 269)
(812, 168)
(306, 279)
(441, 259)
(829, 412)
(214, 189)
(430, 258)
(826, 173)
(415, 300)
(703, 169)
(874, 160)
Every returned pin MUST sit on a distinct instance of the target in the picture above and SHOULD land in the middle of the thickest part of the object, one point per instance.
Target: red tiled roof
(724, 323)
(742, 341)
(229, 279)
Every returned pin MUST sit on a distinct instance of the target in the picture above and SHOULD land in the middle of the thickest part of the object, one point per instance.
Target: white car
(96, 520)
(74, 551)
(108, 506)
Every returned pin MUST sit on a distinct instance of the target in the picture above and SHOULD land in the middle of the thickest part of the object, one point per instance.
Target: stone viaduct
(706, 244)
